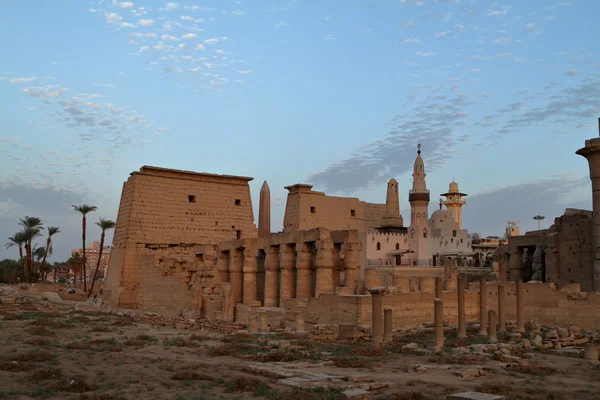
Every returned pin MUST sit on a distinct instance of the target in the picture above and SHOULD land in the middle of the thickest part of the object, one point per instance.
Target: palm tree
(32, 227)
(51, 231)
(18, 239)
(74, 263)
(104, 224)
(84, 209)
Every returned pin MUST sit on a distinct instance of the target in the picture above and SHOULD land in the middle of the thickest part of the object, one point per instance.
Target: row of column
(240, 268)
(491, 322)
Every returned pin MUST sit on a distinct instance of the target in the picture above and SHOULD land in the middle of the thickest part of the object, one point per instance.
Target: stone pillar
(303, 278)
(253, 323)
(591, 152)
(351, 264)
(286, 279)
(264, 212)
(590, 352)
(271, 271)
(492, 336)
(263, 322)
(387, 325)
(462, 325)
(324, 264)
(438, 312)
(377, 316)
(439, 287)
(520, 316)
(482, 305)
(235, 274)
(227, 302)
(299, 321)
(223, 266)
(249, 269)
(501, 314)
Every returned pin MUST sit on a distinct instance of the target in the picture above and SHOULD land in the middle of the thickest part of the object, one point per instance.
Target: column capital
(379, 290)
(272, 250)
(324, 244)
(352, 246)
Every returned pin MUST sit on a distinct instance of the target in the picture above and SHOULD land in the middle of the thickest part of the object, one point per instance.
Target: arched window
(378, 246)
(418, 218)
(425, 233)
(412, 218)
(397, 246)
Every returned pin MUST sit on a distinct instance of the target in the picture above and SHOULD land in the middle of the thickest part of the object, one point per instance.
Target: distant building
(91, 259)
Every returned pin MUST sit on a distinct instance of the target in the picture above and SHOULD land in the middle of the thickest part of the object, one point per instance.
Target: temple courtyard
(65, 347)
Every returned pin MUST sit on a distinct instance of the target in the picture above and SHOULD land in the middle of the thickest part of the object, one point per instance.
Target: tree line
(32, 266)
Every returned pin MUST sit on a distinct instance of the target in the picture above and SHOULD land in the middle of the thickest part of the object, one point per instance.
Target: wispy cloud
(23, 80)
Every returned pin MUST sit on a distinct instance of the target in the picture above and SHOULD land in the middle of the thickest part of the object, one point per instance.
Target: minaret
(419, 195)
(454, 202)
(392, 221)
(264, 212)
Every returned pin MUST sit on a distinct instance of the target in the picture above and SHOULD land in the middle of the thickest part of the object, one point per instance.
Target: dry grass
(349, 362)
(533, 369)
(46, 374)
(33, 356)
(277, 356)
(76, 385)
(15, 366)
(39, 330)
(102, 329)
(191, 376)
(407, 396)
(367, 352)
(37, 341)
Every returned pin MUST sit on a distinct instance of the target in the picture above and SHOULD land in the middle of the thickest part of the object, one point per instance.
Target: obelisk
(264, 212)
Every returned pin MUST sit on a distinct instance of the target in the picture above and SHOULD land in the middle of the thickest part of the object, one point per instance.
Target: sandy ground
(52, 351)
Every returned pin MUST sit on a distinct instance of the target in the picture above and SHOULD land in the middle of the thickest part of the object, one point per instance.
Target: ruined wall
(542, 303)
(171, 209)
(568, 251)
(307, 209)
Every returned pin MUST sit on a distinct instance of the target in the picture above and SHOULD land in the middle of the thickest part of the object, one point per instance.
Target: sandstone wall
(542, 303)
(163, 209)
(308, 209)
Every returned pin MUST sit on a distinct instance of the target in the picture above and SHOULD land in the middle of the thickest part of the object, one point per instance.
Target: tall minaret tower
(419, 195)
(392, 219)
(454, 202)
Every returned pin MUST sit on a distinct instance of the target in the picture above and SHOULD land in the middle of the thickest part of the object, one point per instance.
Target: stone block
(357, 394)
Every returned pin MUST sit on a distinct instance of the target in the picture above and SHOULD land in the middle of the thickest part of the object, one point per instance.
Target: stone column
(482, 305)
(303, 279)
(286, 267)
(223, 266)
(351, 264)
(501, 315)
(377, 316)
(253, 323)
(227, 302)
(591, 152)
(387, 325)
(324, 264)
(263, 322)
(462, 325)
(520, 316)
(299, 321)
(271, 271)
(439, 287)
(438, 312)
(492, 336)
(590, 352)
(235, 274)
(249, 269)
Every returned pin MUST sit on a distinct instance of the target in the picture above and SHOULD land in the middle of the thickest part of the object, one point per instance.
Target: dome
(453, 187)
(440, 216)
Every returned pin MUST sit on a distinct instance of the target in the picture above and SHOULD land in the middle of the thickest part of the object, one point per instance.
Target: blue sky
(334, 93)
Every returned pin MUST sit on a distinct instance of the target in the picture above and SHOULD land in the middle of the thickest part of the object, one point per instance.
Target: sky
(337, 94)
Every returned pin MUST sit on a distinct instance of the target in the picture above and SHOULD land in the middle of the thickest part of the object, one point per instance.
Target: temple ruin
(186, 244)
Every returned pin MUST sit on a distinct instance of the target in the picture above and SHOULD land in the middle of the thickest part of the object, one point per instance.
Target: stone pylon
(392, 216)
(264, 212)
(591, 152)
